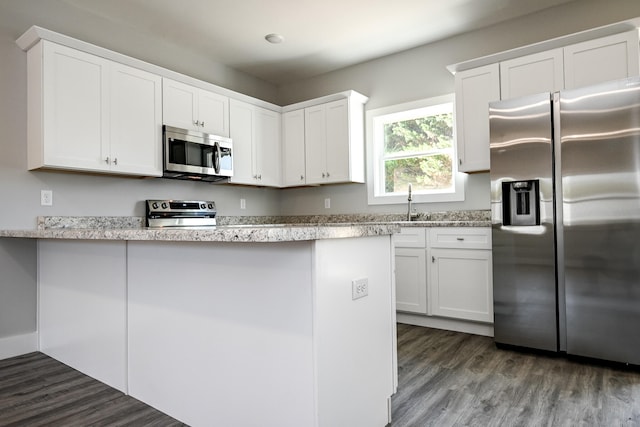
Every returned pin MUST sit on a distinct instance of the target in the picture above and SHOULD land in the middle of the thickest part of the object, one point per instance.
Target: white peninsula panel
(262, 333)
(221, 334)
(82, 306)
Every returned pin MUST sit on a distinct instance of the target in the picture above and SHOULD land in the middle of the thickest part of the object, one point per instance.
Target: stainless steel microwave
(196, 155)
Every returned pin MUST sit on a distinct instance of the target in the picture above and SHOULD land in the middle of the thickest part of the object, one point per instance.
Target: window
(413, 144)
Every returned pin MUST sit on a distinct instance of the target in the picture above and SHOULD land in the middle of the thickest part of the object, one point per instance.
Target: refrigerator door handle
(558, 205)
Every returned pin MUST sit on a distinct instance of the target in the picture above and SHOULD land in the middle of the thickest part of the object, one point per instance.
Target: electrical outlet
(327, 203)
(46, 197)
(359, 288)
(243, 204)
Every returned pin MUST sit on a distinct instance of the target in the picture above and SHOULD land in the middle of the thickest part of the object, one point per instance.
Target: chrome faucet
(410, 215)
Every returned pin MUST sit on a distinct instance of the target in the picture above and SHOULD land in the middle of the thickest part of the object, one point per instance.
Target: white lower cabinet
(411, 280)
(461, 284)
(461, 275)
(411, 270)
(445, 272)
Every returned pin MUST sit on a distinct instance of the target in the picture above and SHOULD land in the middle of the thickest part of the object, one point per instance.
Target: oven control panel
(180, 213)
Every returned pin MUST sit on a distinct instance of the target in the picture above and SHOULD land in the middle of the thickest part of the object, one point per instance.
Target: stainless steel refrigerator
(565, 202)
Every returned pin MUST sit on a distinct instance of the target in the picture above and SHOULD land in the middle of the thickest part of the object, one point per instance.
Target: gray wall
(421, 73)
(17, 287)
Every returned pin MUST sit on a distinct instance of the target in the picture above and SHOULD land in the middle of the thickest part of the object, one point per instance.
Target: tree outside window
(413, 144)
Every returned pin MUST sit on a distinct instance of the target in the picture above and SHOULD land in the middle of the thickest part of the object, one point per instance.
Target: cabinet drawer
(460, 237)
(411, 237)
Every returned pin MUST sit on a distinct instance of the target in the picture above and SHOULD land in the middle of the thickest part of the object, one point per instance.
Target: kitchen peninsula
(240, 325)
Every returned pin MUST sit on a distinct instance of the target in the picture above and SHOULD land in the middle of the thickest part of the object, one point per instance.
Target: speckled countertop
(245, 229)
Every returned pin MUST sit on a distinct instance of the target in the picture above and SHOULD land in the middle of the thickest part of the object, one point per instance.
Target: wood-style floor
(445, 379)
(454, 379)
(36, 390)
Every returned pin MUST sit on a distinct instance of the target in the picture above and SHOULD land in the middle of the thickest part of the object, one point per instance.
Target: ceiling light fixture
(274, 38)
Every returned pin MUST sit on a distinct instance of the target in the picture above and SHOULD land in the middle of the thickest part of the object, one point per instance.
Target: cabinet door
(337, 142)
(474, 90)
(601, 60)
(411, 280)
(293, 146)
(267, 147)
(213, 113)
(462, 284)
(75, 108)
(136, 122)
(531, 74)
(241, 125)
(315, 131)
(179, 104)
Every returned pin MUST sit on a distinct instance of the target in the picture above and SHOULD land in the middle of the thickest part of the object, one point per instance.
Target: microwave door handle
(218, 154)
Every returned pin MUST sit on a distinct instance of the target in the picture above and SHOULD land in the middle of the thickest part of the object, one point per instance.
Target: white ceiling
(320, 35)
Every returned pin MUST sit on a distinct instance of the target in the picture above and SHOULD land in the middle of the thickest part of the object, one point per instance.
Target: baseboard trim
(475, 328)
(17, 345)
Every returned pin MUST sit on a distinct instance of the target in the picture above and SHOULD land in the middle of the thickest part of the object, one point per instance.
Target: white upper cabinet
(577, 65)
(531, 74)
(567, 67)
(316, 143)
(189, 107)
(293, 146)
(595, 61)
(475, 88)
(136, 117)
(334, 142)
(255, 132)
(68, 97)
(341, 145)
(88, 113)
(268, 147)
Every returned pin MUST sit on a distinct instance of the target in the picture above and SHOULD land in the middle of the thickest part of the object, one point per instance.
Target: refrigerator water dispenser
(521, 202)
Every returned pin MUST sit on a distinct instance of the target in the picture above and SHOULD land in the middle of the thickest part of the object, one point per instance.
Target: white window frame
(375, 177)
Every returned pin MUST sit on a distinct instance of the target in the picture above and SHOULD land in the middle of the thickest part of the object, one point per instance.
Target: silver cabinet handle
(460, 239)
(202, 124)
(115, 161)
(259, 176)
(301, 177)
(323, 175)
(433, 259)
(460, 161)
(196, 122)
(327, 174)
(106, 160)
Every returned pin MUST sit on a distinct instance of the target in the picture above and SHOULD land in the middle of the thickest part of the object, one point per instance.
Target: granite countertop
(245, 229)
(237, 233)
